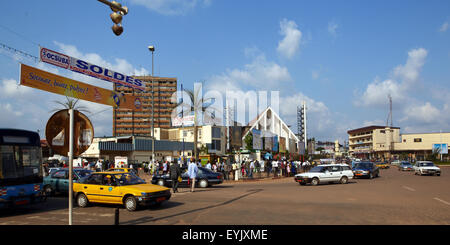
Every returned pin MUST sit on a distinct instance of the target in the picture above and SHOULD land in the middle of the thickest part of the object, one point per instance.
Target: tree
(249, 141)
(196, 105)
(70, 103)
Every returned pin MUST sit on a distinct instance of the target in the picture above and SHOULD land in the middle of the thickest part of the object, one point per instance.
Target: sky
(342, 57)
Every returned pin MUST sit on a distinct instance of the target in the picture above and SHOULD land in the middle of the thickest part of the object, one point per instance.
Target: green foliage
(249, 141)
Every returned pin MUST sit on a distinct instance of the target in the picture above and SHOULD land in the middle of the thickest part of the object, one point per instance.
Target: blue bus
(20, 168)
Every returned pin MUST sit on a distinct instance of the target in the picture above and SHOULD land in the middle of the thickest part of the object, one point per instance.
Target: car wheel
(315, 181)
(131, 203)
(203, 183)
(344, 180)
(160, 182)
(82, 200)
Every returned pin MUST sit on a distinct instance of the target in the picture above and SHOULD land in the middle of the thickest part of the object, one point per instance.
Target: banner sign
(440, 148)
(257, 140)
(268, 143)
(236, 136)
(83, 67)
(282, 144)
(183, 121)
(275, 144)
(39, 79)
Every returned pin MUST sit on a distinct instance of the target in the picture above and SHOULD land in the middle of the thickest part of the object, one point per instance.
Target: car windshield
(317, 169)
(83, 173)
(363, 165)
(129, 179)
(406, 164)
(426, 164)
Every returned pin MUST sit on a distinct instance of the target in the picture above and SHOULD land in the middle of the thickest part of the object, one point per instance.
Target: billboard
(282, 144)
(257, 140)
(86, 68)
(183, 121)
(268, 143)
(236, 136)
(440, 148)
(275, 144)
(39, 79)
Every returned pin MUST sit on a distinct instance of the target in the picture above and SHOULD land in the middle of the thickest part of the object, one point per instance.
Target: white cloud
(171, 7)
(260, 73)
(11, 88)
(403, 79)
(332, 28)
(290, 44)
(420, 114)
(444, 27)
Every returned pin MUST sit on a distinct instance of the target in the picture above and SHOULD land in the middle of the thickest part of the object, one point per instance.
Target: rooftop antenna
(390, 112)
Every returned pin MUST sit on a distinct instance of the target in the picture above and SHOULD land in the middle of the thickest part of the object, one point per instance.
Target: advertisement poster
(440, 148)
(268, 143)
(83, 67)
(275, 144)
(282, 144)
(39, 79)
(257, 140)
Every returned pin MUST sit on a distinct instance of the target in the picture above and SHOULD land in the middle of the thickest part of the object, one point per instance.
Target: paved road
(395, 198)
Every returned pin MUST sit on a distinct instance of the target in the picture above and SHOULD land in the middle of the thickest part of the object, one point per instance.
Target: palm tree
(71, 103)
(196, 105)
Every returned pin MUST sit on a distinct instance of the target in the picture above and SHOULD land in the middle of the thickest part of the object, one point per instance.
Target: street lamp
(152, 49)
(116, 16)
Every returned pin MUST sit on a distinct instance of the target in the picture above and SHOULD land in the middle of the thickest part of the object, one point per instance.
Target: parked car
(405, 166)
(327, 173)
(382, 165)
(426, 168)
(396, 163)
(205, 178)
(366, 169)
(119, 188)
(58, 181)
(126, 170)
(52, 170)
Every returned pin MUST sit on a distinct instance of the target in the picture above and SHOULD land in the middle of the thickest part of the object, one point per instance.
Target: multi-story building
(373, 141)
(139, 123)
(380, 142)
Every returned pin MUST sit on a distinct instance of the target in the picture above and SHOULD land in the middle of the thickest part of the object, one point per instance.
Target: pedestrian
(235, 171)
(252, 167)
(208, 165)
(275, 168)
(175, 172)
(192, 172)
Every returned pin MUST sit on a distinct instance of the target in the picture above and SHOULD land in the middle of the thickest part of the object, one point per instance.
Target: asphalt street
(394, 198)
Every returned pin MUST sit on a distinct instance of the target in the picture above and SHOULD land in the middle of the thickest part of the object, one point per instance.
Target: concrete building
(139, 123)
(270, 125)
(136, 148)
(211, 137)
(380, 142)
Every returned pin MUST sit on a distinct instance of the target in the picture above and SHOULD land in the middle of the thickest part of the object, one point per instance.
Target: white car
(425, 168)
(326, 174)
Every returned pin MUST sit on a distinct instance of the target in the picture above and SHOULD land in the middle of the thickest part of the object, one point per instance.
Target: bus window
(8, 164)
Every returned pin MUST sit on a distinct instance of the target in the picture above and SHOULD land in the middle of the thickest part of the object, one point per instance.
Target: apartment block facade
(139, 123)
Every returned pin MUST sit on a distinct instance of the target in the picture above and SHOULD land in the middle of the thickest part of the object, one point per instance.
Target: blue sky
(342, 57)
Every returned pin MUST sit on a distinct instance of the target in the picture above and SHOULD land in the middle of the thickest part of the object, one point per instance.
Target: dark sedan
(205, 178)
(366, 169)
(405, 166)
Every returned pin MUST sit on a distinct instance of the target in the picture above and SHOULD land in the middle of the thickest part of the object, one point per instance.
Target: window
(95, 179)
(60, 175)
(417, 139)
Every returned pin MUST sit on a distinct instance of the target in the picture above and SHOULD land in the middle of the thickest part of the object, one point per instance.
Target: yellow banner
(35, 78)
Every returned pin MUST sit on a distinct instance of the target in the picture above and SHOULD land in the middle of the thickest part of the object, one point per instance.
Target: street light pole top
(151, 48)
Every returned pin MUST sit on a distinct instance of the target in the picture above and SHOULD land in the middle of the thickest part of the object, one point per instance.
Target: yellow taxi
(382, 165)
(126, 170)
(119, 188)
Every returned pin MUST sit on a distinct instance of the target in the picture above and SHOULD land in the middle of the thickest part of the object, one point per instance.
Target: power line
(19, 52)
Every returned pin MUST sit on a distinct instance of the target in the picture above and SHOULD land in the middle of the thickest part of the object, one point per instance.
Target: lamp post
(152, 49)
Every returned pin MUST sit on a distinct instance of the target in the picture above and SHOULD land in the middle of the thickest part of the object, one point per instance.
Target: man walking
(192, 172)
(175, 172)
